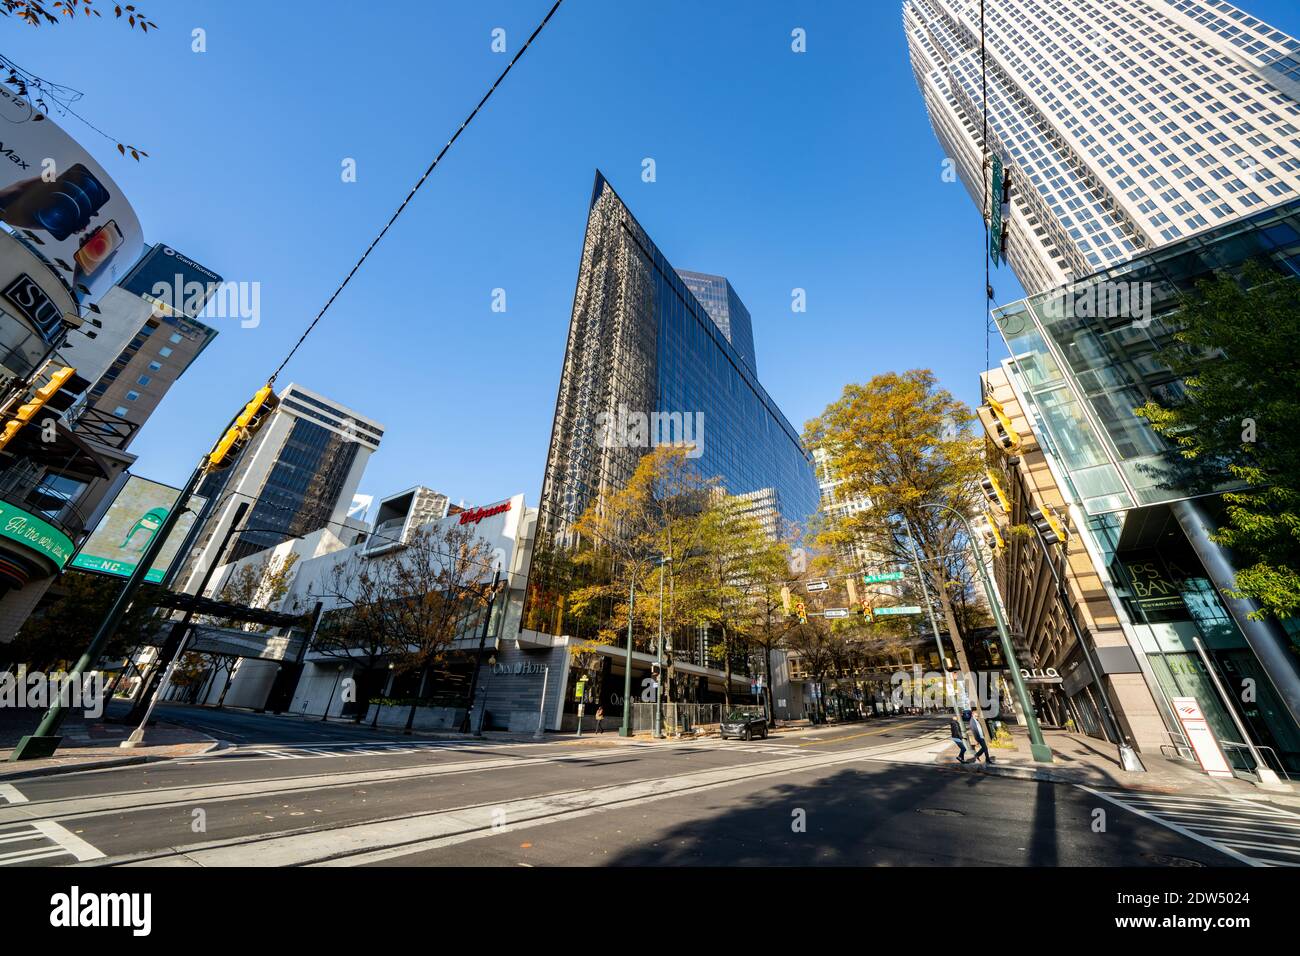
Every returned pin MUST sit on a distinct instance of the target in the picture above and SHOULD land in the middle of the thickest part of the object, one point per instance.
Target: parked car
(743, 725)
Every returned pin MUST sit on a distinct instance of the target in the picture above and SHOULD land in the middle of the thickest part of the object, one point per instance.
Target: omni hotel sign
(33, 533)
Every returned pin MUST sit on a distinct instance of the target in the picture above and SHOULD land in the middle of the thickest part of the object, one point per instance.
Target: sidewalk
(1080, 759)
(93, 745)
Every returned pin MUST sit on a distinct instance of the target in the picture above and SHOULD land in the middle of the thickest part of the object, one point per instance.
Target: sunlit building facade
(1125, 125)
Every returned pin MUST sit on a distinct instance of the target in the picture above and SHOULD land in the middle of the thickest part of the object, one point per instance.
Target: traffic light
(993, 491)
(866, 611)
(802, 610)
(994, 538)
(245, 425)
(40, 398)
(998, 424)
(1045, 523)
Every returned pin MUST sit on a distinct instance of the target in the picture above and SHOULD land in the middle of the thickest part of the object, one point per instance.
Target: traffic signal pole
(934, 621)
(1037, 745)
(45, 741)
(169, 653)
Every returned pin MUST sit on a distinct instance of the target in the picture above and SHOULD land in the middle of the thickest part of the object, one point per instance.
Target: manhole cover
(1160, 859)
(940, 812)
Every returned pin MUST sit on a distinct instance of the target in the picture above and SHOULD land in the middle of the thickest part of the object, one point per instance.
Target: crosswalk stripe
(10, 794)
(1231, 826)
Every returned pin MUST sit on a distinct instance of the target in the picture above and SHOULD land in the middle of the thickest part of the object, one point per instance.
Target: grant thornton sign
(33, 533)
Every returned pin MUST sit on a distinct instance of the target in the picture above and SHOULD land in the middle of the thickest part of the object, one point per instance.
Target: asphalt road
(295, 792)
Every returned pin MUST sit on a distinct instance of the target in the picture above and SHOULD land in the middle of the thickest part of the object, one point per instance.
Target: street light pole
(659, 650)
(1037, 745)
(478, 658)
(626, 729)
(934, 621)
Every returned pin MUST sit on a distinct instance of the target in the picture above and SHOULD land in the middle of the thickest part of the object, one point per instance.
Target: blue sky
(778, 170)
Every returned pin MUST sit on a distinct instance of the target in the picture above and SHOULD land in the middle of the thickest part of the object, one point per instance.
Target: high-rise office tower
(725, 309)
(298, 474)
(648, 363)
(1125, 125)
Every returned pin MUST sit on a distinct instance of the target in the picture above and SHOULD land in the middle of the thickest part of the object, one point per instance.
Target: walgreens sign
(475, 515)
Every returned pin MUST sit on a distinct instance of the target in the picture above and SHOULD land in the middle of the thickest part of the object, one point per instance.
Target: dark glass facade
(641, 342)
(725, 309)
(301, 489)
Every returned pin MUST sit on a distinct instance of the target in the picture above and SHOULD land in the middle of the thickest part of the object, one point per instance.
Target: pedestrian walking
(981, 745)
(954, 729)
(600, 720)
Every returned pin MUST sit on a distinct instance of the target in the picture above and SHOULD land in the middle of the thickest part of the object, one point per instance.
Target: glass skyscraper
(725, 309)
(1125, 125)
(642, 343)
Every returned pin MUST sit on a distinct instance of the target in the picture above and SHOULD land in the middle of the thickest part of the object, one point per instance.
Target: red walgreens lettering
(475, 515)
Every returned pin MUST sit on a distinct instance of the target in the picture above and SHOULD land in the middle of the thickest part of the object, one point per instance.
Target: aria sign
(1040, 675)
(475, 515)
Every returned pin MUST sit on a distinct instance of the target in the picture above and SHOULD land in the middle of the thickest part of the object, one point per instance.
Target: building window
(120, 411)
(175, 337)
(164, 351)
(132, 396)
(155, 366)
(142, 380)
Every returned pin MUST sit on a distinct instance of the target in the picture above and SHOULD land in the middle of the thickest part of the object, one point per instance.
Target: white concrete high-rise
(1125, 124)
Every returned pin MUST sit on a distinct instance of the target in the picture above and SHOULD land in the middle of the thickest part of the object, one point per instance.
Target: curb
(108, 763)
(1052, 776)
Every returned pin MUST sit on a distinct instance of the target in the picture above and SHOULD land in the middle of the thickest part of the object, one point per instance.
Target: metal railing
(684, 718)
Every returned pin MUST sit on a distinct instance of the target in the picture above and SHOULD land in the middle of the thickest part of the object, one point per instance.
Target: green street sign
(902, 609)
(882, 578)
(35, 534)
(995, 213)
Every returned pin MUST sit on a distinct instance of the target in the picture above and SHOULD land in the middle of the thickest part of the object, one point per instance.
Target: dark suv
(743, 725)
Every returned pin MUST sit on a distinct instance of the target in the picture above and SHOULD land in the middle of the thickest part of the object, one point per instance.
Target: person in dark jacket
(954, 729)
(981, 746)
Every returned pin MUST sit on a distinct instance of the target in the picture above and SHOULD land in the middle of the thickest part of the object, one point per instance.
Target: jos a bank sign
(475, 515)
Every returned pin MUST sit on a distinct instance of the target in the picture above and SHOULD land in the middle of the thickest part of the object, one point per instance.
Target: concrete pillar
(1266, 638)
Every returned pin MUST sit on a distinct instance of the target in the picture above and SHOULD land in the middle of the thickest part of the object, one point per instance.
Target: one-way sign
(818, 585)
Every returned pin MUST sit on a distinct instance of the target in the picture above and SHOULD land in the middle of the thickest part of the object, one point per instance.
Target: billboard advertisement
(54, 195)
(173, 282)
(127, 528)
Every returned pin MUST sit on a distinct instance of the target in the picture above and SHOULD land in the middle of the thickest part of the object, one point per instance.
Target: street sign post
(836, 612)
(882, 578)
(903, 609)
(818, 585)
(995, 212)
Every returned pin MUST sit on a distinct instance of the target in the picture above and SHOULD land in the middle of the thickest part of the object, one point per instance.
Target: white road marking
(374, 841)
(51, 841)
(1218, 824)
(9, 794)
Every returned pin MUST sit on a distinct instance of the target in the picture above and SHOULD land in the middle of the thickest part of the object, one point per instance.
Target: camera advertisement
(55, 196)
